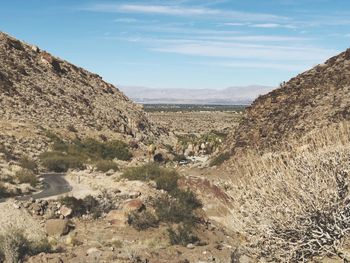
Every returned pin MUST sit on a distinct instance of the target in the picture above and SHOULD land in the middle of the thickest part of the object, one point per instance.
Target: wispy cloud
(256, 65)
(126, 20)
(247, 51)
(245, 47)
(184, 11)
(273, 25)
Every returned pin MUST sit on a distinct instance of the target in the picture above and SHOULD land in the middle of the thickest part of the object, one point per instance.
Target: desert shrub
(185, 140)
(40, 247)
(14, 246)
(106, 165)
(77, 205)
(220, 159)
(294, 205)
(182, 235)
(76, 153)
(3, 191)
(142, 220)
(171, 210)
(60, 162)
(103, 150)
(187, 197)
(116, 149)
(165, 179)
(88, 205)
(179, 158)
(25, 176)
(29, 164)
(92, 206)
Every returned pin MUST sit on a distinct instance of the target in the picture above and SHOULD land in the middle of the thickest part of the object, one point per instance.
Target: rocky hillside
(40, 92)
(309, 101)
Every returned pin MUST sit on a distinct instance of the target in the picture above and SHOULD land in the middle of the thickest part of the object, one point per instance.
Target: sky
(184, 43)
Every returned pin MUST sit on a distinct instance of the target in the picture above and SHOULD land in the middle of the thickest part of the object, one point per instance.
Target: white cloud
(246, 51)
(184, 11)
(235, 24)
(273, 25)
(126, 20)
(258, 65)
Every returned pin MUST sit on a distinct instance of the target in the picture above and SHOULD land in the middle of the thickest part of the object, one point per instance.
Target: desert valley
(89, 176)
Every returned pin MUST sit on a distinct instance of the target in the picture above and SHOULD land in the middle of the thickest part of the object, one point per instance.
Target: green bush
(171, 210)
(25, 176)
(103, 150)
(220, 159)
(165, 179)
(188, 198)
(60, 162)
(106, 165)
(29, 164)
(74, 154)
(142, 220)
(183, 235)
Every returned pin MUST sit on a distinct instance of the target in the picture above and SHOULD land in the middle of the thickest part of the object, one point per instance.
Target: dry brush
(295, 205)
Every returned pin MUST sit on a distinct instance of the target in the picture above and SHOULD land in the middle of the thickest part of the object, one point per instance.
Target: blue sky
(185, 43)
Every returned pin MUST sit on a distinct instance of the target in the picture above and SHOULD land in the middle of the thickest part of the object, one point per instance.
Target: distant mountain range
(232, 95)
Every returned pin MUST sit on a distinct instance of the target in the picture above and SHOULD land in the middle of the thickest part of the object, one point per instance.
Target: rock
(35, 48)
(117, 218)
(57, 227)
(65, 211)
(94, 252)
(134, 195)
(190, 246)
(132, 205)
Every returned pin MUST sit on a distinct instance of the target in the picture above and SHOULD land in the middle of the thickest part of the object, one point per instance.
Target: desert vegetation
(75, 154)
(176, 207)
(220, 159)
(14, 246)
(294, 205)
(87, 205)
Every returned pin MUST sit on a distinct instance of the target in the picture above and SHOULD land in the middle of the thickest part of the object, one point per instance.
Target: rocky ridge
(308, 102)
(43, 92)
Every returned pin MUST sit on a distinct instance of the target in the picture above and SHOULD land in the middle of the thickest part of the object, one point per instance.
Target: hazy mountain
(231, 95)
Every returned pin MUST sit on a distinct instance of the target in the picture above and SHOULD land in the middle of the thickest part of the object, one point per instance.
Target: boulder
(57, 227)
(132, 205)
(117, 218)
(65, 211)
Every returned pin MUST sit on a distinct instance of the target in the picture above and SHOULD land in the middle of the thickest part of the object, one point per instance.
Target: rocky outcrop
(308, 102)
(46, 92)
